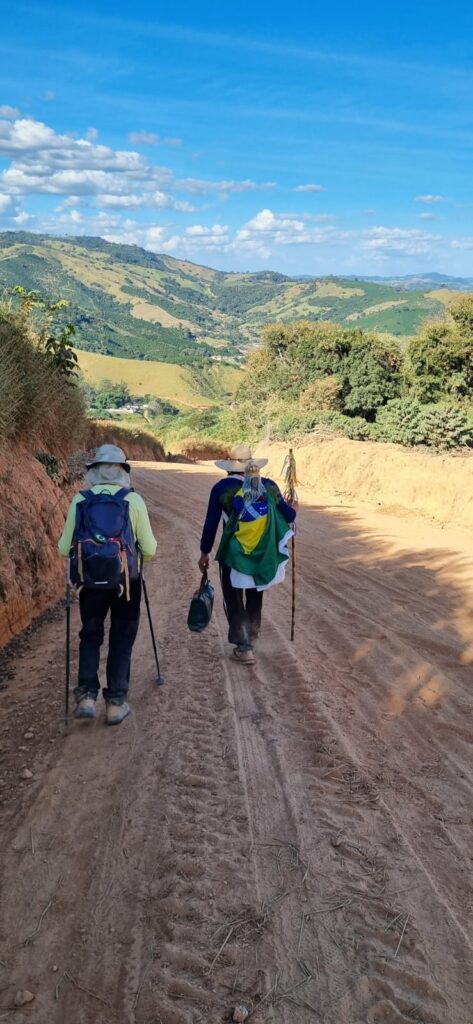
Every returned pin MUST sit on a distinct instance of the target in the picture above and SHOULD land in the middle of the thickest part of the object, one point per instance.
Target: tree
(461, 311)
(440, 362)
(295, 356)
(58, 347)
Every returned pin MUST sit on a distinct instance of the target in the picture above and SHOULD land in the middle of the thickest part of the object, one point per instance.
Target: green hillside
(131, 303)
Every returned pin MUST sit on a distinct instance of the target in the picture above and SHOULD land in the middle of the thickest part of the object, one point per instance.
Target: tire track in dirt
(360, 850)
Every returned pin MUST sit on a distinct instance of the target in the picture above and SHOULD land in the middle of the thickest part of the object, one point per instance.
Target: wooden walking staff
(290, 495)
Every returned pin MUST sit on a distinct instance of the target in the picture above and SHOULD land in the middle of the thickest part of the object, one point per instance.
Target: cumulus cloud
(430, 199)
(157, 200)
(259, 236)
(92, 134)
(10, 112)
(310, 188)
(382, 241)
(279, 229)
(45, 162)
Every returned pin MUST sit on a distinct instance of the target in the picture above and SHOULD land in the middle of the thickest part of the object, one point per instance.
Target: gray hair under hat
(111, 454)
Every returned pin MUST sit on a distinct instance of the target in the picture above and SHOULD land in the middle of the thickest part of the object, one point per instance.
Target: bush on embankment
(42, 420)
(40, 406)
(44, 442)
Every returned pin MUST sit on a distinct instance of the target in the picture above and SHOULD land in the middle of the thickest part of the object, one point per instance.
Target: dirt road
(297, 836)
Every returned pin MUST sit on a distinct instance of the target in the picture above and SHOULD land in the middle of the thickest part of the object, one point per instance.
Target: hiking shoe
(117, 712)
(245, 657)
(85, 708)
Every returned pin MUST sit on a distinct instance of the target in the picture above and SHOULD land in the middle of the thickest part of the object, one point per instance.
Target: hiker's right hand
(204, 562)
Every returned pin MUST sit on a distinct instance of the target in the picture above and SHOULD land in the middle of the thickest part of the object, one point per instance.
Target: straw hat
(240, 456)
(111, 454)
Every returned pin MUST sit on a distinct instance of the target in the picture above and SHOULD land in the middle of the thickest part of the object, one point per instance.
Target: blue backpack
(103, 553)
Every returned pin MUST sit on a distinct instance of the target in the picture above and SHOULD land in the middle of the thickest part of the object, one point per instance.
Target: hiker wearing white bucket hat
(107, 526)
(253, 550)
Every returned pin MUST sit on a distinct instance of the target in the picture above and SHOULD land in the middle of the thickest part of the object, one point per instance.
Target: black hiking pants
(243, 610)
(124, 621)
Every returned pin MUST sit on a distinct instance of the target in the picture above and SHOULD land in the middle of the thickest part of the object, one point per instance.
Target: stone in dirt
(23, 997)
(26, 774)
(241, 1012)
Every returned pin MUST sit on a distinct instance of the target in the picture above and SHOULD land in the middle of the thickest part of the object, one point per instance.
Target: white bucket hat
(240, 456)
(112, 455)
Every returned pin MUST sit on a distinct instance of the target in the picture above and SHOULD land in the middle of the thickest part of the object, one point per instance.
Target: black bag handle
(204, 581)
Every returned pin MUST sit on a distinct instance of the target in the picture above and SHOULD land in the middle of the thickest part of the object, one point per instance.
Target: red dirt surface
(296, 836)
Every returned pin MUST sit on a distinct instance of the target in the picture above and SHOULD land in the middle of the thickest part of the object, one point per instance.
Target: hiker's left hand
(204, 562)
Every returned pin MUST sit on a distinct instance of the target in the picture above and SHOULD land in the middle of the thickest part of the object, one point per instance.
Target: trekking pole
(160, 680)
(290, 495)
(68, 644)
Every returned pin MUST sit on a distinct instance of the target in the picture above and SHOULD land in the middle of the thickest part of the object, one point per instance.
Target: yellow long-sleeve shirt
(139, 519)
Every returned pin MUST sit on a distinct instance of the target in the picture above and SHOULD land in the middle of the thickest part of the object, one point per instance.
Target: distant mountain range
(425, 282)
(129, 302)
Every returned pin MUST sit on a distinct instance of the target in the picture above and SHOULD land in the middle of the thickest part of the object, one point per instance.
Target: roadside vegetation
(324, 378)
(312, 377)
(43, 401)
(40, 402)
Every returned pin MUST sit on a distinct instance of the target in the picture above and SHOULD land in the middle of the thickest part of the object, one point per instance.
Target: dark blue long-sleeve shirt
(219, 499)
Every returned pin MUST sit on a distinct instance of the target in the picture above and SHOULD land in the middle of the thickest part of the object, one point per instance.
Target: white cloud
(22, 218)
(143, 138)
(430, 199)
(382, 241)
(6, 111)
(200, 187)
(45, 162)
(153, 200)
(92, 134)
(6, 203)
(428, 216)
(462, 243)
(310, 188)
(172, 141)
(70, 201)
(279, 229)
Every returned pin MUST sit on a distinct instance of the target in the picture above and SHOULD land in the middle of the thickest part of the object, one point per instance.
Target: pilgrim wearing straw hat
(253, 551)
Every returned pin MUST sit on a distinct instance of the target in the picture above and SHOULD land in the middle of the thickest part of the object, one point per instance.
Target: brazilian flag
(262, 561)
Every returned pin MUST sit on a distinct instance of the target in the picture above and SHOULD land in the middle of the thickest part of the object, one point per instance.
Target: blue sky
(307, 138)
